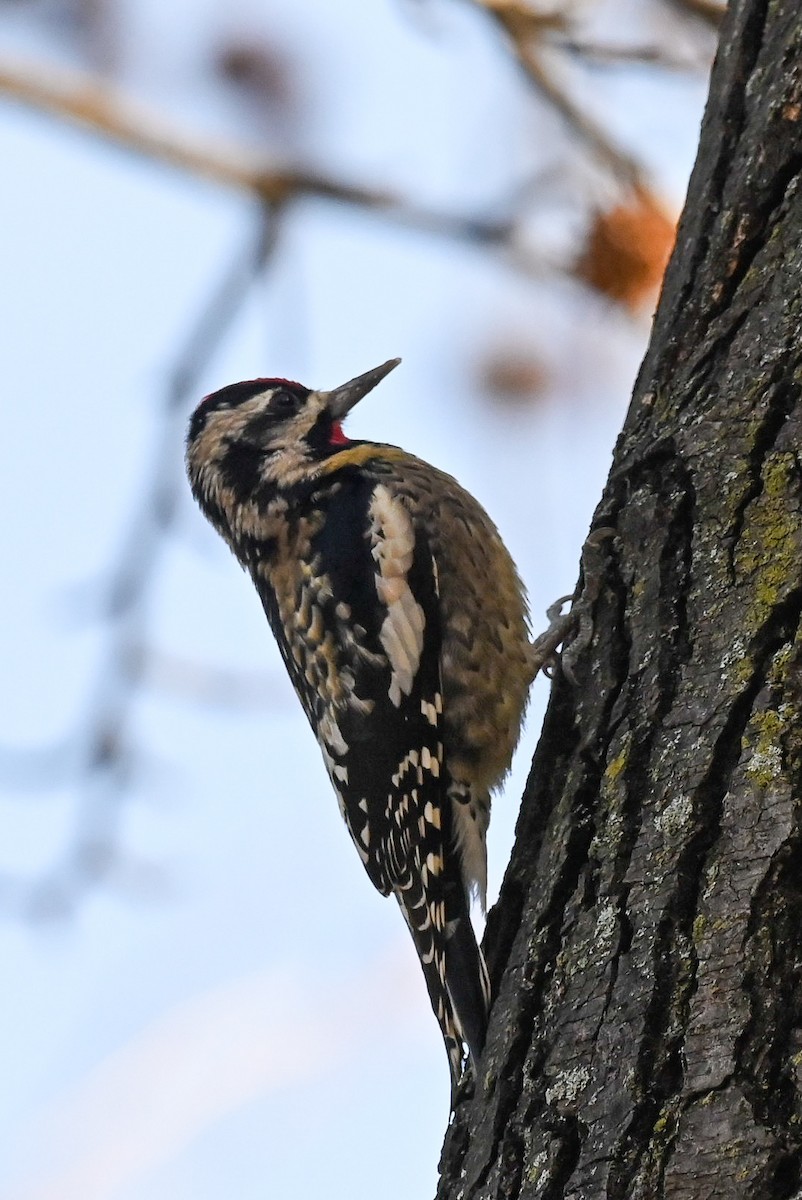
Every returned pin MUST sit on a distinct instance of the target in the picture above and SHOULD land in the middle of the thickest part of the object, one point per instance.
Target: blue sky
(235, 1011)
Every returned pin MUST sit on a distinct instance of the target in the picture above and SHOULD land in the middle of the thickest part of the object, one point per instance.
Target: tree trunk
(646, 1037)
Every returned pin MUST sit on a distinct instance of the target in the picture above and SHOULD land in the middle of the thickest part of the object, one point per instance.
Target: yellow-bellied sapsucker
(403, 625)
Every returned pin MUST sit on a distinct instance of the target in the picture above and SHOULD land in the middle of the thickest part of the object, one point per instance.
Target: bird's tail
(454, 969)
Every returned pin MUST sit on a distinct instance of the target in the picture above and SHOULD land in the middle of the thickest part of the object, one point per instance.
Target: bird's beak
(341, 400)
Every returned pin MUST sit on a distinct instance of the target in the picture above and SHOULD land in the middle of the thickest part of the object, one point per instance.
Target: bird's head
(266, 431)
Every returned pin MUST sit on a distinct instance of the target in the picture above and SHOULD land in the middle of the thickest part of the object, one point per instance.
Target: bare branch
(624, 56)
(624, 167)
(525, 29)
(105, 758)
(79, 98)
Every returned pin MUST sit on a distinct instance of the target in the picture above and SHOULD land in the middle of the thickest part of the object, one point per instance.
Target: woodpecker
(404, 627)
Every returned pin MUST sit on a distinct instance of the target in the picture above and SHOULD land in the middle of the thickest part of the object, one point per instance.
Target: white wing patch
(393, 546)
(329, 734)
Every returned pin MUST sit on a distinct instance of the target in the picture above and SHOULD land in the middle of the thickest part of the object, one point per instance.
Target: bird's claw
(572, 630)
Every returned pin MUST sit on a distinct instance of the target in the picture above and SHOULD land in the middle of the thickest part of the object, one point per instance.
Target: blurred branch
(617, 56)
(79, 98)
(105, 759)
(525, 27)
(624, 167)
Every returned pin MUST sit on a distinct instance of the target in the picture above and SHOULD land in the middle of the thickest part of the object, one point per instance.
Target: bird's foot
(572, 630)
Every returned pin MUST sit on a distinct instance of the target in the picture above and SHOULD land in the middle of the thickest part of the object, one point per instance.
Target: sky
(234, 1010)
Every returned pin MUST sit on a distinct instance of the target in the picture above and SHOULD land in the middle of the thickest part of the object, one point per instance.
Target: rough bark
(646, 1038)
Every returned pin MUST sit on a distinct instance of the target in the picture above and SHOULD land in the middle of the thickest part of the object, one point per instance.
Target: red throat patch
(337, 438)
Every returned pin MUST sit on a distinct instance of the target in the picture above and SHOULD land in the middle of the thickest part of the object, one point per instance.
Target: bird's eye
(283, 401)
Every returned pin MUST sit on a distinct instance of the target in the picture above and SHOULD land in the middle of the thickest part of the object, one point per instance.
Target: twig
(623, 166)
(617, 56)
(105, 758)
(79, 98)
(525, 29)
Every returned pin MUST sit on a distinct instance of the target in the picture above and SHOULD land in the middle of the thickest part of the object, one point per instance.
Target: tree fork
(646, 951)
